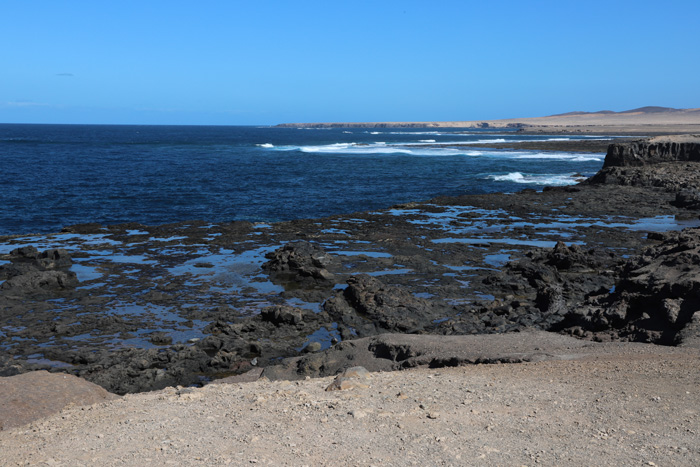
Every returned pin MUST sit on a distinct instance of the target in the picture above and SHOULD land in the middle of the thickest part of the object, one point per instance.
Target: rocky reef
(31, 272)
(656, 297)
(136, 308)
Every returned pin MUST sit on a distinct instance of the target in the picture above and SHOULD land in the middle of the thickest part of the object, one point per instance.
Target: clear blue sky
(266, 62)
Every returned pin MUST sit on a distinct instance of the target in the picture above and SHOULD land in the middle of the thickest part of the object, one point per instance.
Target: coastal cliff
(666, 162)
(653, 151)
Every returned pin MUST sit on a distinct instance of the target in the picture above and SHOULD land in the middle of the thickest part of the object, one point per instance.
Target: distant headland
(642, 120)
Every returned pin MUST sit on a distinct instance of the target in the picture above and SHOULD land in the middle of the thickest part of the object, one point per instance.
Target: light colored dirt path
(628, 409)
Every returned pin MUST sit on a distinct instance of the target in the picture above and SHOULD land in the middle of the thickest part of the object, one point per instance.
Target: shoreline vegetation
(589, 292)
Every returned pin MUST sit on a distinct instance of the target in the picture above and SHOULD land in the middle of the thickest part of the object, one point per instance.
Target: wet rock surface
(303, 267)
(368, 306)
(31, 272)
(136, 308)
(656, 298)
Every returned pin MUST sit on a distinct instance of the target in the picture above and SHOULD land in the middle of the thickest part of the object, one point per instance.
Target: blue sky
(268, 62)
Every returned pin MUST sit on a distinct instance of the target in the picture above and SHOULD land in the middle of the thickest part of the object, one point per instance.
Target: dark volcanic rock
(160, 338)
(54, 258)
(31, 271)
(687, 198)
(35, 281)
(689, 336)
(653, 151)
(303, 263)
(28, 253)
(571, 258)
(281, 315)
(231, 348)
(556, 279)
(49, 259)
(137, 370)
(656, 298)
(669, 163)
(369, 306)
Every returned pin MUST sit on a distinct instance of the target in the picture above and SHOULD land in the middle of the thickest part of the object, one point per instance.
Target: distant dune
(657, 119)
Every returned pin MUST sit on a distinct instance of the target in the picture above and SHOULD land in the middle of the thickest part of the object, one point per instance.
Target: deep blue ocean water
(52, 176)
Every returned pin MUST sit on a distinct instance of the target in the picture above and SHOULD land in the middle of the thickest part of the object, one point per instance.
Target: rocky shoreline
(137, 308)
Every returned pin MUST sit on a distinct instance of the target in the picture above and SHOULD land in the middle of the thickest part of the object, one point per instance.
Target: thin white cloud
(25, 104)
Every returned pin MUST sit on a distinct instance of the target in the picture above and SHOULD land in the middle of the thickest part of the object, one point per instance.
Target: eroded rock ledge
(653, 151)
(669, 163)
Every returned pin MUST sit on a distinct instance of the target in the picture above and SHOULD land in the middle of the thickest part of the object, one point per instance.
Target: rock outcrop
(31, 271)
(666, 162)
(303, 263)
(653, 151)
(656, 299)
(369, 307)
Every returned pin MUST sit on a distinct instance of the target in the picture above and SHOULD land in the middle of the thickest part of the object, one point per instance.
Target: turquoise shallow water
(57, 175)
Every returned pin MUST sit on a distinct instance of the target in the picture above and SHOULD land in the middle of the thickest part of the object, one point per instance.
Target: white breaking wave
(563, 157)
(410, 133)
(448, 143)
(266, 145)
(431, 149)
(433, 143)
(379, 148)
(543, 179)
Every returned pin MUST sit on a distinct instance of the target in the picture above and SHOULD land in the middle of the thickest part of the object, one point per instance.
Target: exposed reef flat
(137, 308)
(593, 289)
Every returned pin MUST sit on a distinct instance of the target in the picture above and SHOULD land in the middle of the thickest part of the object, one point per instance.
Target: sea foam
(541, 179)
(430, 149)
(563, 157)
(381, 147)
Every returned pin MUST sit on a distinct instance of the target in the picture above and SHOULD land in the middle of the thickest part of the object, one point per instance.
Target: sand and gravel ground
(643, 121)
(634, 407)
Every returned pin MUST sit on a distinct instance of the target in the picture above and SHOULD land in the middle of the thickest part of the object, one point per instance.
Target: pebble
(359, 372)
(352, 378)
(341, 383)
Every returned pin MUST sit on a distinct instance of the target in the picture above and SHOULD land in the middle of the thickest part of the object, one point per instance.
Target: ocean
(58, 175)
